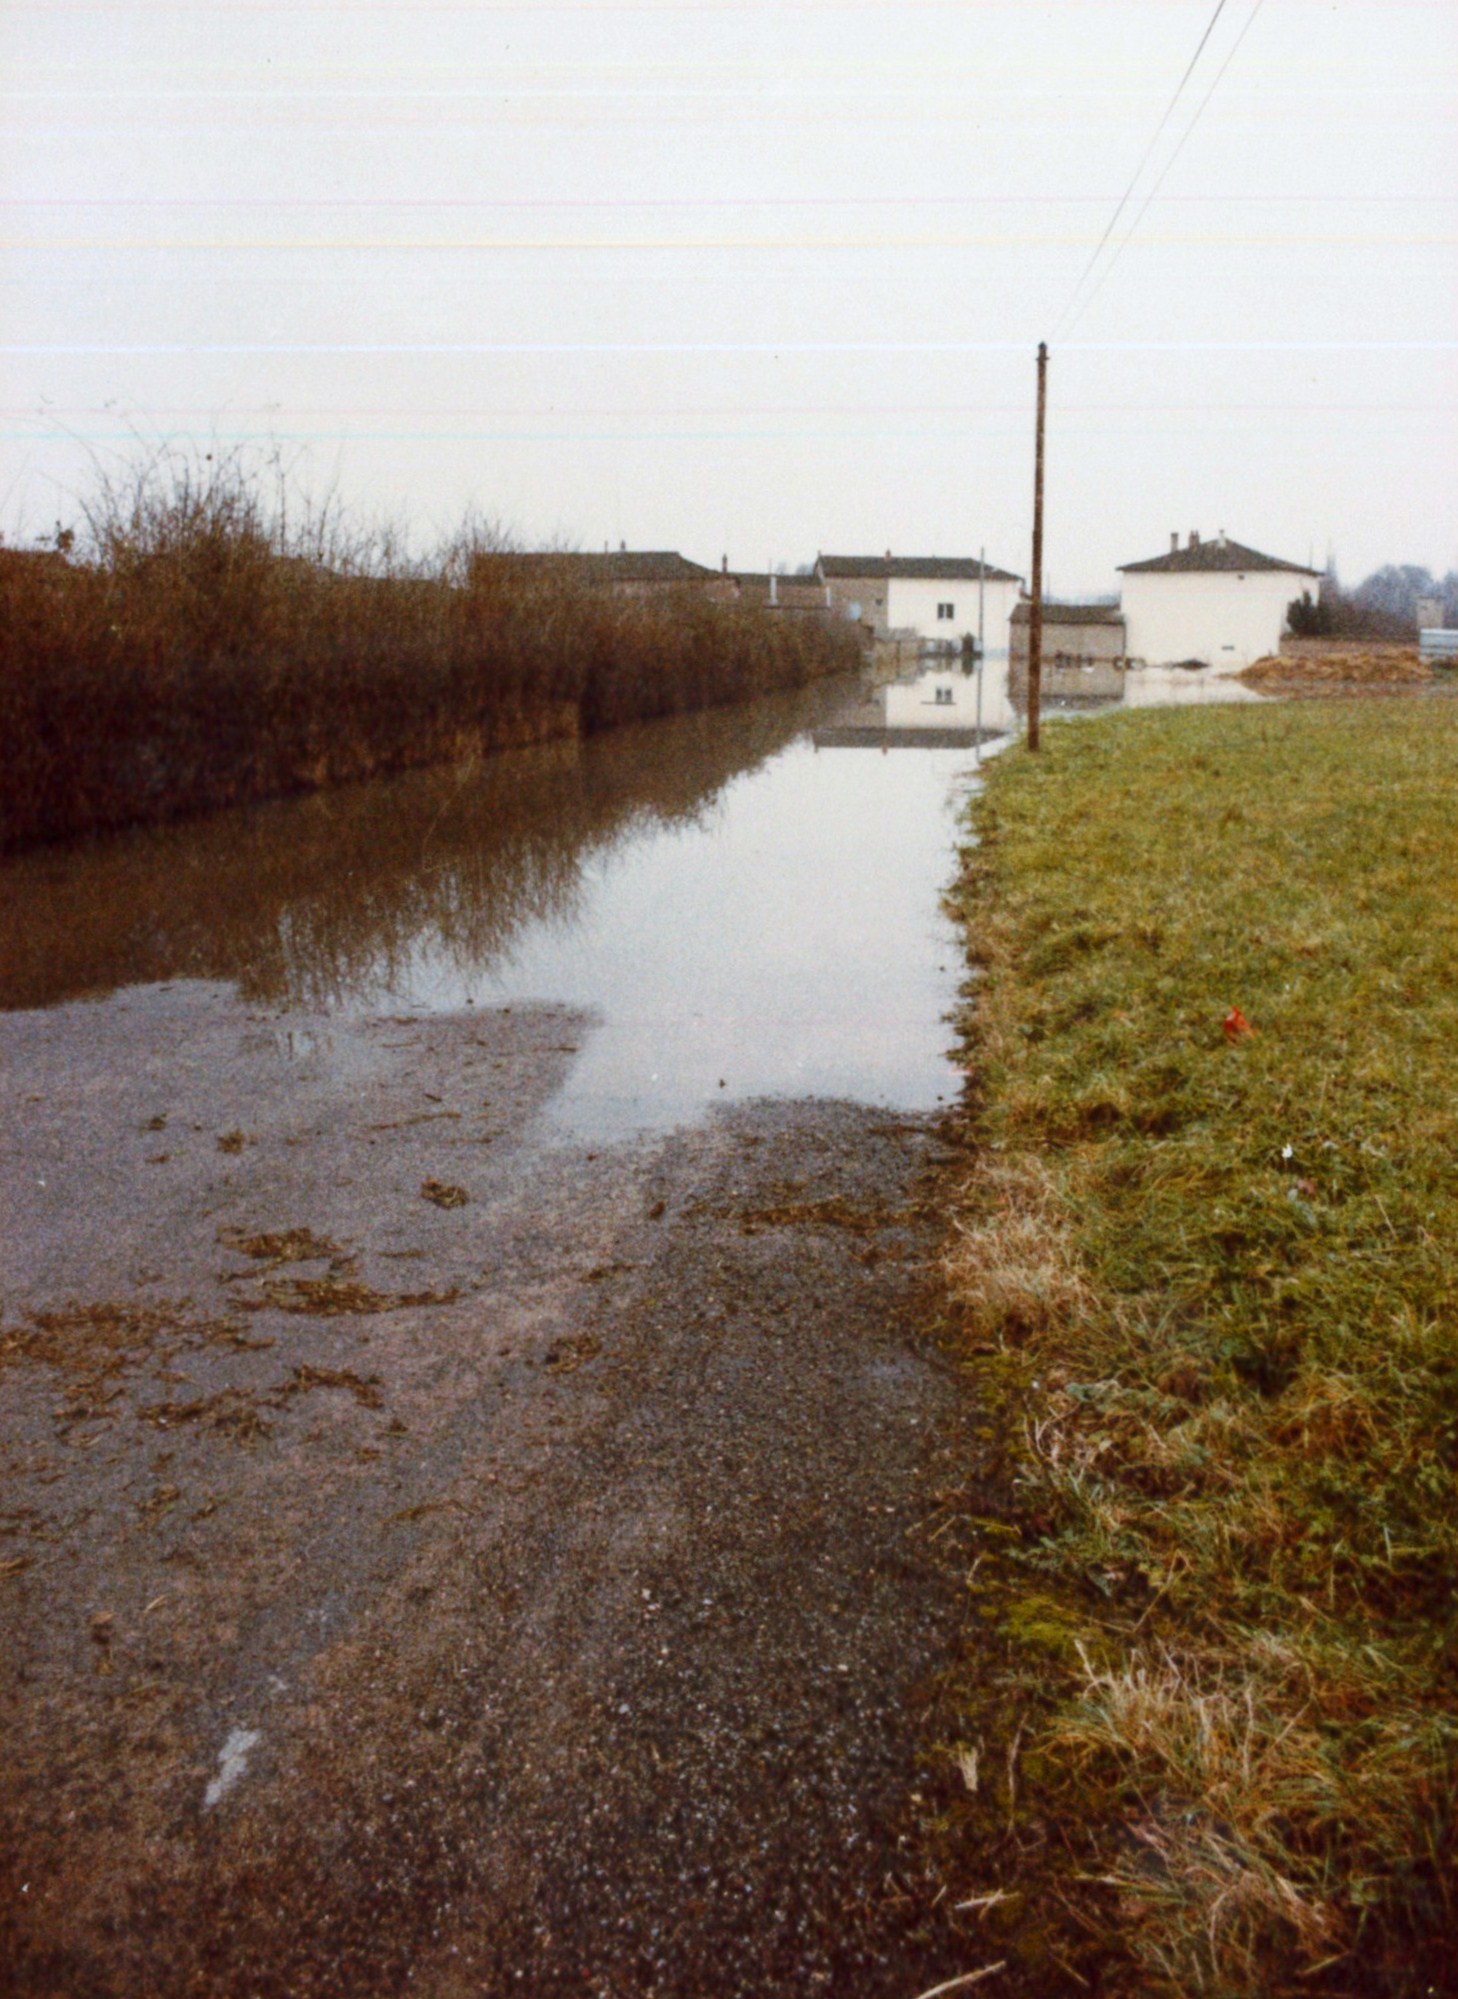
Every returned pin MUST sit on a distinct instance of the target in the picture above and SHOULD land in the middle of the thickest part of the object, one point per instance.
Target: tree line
(1383, 608)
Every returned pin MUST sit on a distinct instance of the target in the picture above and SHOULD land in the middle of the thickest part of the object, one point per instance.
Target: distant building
(1215, 603)
(933, 597)
(774, 591)
(1430, 614)
(636, 572)
(1073, 634)
(626, 572)
(1435, 641)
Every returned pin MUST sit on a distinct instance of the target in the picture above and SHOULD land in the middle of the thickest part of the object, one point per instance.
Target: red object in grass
(1236, 1025)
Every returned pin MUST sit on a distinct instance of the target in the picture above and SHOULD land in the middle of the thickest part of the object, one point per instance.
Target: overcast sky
(752, 279)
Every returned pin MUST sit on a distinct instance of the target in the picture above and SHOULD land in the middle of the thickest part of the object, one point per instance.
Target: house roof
(1070, 614)
(760, 579)
(1203, 557)
(915, 568)
(663, 565)
(619, 565)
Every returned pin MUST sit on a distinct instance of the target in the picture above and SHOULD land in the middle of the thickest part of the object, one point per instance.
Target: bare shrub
(213, 641)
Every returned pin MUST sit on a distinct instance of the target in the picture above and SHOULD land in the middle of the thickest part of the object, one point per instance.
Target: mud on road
(435, 1558)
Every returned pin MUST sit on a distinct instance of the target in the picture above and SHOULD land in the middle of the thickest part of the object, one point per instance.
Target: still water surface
(738, 912)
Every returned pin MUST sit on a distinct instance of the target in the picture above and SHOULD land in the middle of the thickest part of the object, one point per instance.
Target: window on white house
(944, 697)
(946, 611)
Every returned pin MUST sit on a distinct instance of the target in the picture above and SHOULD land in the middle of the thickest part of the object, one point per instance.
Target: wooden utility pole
(1035, 609)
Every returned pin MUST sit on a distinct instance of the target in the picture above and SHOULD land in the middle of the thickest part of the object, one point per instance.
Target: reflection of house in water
(1173, 687)
(932, 598)
(942, 707)
(939, 708)
(945, 699)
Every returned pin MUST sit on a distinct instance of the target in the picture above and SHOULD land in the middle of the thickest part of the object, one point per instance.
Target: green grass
(1211, 1287)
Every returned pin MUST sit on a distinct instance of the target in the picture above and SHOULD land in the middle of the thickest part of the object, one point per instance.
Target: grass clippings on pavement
(1209, 1282)
(94, 1344)
(278, 1246)
(336, 1296)
(443, 1194)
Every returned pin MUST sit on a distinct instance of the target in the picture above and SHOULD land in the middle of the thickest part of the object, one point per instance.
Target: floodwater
(1175, 687)
(591, 1435)
(955, 696)
(740, 913)
(746, 903)
(515, 1561)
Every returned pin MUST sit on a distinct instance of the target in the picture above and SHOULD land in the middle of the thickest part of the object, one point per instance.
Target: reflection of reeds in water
(328, 899)
(211, 650)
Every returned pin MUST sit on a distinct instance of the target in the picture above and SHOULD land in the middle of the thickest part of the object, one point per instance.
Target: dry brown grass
(443, 1195)
(205, 646)
(1011, 1261)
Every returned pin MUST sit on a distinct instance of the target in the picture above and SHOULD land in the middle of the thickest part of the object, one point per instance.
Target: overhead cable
(1123, 243)
(1123, 201)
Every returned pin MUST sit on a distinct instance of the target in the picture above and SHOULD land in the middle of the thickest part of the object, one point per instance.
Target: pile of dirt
(1355, 666)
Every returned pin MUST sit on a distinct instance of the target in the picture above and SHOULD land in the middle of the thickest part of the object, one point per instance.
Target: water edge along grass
(206, 647)
(1208, 1280)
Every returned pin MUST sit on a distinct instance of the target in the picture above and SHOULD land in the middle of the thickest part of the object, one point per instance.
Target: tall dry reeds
(206, 645)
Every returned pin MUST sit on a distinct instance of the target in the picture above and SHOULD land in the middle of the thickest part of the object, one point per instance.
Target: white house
(1212, 601)
(933, 596)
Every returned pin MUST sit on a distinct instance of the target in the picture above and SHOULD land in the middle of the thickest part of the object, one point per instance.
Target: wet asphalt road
(435, 1560)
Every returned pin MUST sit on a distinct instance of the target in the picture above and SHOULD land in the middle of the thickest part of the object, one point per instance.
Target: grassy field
(201, 645)
(1209, 1280)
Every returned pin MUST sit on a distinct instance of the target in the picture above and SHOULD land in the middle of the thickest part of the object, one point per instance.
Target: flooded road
(736, 913)
(483, 1506)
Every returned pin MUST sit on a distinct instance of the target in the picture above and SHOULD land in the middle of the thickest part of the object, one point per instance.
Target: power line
(1123, 245)
(775, 347)
(1143, 162)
